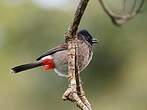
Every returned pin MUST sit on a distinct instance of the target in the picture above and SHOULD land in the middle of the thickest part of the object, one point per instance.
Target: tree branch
(76, 21)
(118, 19)
(75, 92)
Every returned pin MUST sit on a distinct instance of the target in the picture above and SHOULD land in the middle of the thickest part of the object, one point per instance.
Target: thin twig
(76, 21)
(75, 92)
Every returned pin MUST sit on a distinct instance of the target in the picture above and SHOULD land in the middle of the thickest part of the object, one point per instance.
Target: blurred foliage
(116, 78)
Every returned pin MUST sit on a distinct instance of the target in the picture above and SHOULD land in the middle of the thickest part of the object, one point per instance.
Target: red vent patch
(48, 63)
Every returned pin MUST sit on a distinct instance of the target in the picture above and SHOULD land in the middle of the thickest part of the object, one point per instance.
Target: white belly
(60, 59)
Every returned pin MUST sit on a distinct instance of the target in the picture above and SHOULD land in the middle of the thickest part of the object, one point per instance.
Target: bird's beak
(94, 40)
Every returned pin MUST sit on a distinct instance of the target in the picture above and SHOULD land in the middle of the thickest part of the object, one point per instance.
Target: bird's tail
(26, 67)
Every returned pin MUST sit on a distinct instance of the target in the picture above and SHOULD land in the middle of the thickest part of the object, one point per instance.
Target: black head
(86, 36)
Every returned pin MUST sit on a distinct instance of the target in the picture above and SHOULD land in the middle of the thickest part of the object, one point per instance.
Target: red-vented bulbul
(56, 58)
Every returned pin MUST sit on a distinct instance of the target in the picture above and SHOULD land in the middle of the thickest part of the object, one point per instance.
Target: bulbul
(56, 58)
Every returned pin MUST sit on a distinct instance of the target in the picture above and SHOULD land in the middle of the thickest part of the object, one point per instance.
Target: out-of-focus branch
(75, 92)
(133, 7)
(118, 19)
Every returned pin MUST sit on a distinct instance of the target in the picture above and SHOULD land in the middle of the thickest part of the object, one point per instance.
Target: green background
(116, 79)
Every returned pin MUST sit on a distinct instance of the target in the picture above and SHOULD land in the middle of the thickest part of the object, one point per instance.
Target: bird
(57, 58)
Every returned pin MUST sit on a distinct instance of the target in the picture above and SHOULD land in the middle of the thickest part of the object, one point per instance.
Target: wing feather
(53, 50)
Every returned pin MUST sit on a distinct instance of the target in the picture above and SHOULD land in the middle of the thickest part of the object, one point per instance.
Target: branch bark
(75, 92)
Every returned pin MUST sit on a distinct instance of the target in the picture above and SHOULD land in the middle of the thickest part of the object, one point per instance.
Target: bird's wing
(53, 50)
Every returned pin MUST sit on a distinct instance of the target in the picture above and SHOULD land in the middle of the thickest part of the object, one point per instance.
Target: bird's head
(85, 35)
